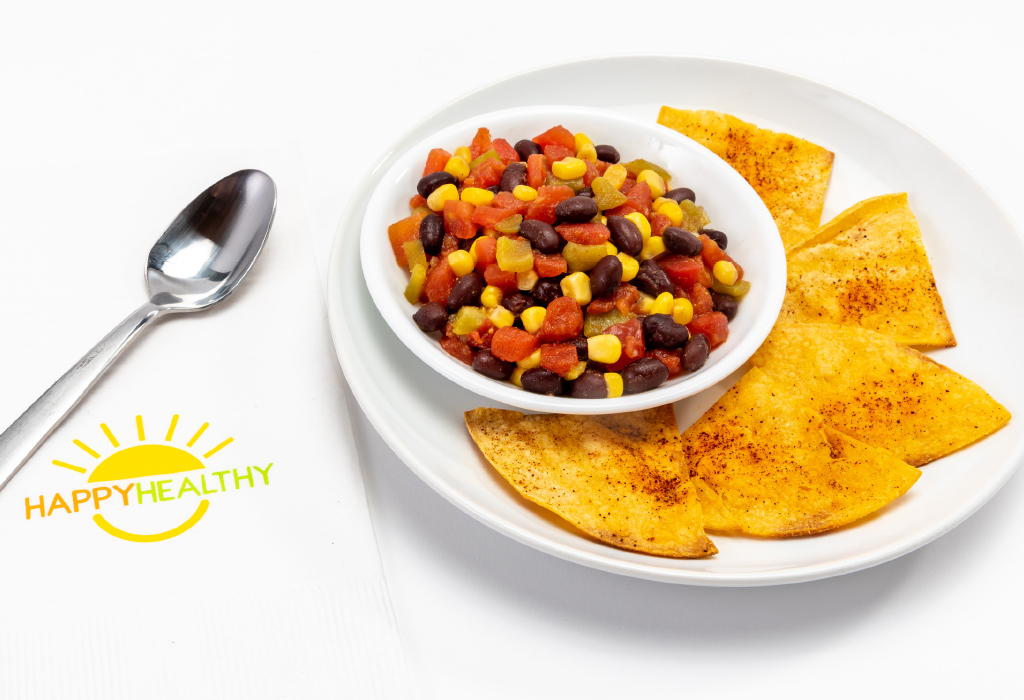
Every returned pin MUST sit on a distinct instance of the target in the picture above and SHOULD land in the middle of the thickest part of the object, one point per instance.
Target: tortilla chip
(766, 465)
(789, 174)
(868, 267)
(618, 478)
(878, 391)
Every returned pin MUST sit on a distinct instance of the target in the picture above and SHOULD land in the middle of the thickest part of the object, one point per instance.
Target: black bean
(576, 210)
(682, 242)
(651, 279)
(542, 381)
(589, 385)
(432, 234)
(607, 153)
(605, 276)
(490, 366)
(643, 375)
(527, 148)
(494, 189)
(682, 193)
(514, 175)
(582, 349)
(429, 183)
(431, 317)
(696, 352)
(465, 243)
(541, 236)
(586, 192)
(717, 236)
(517, 302)
(546, 291)
(661, 331)
(725, 304)
(466, 291)
(625, 235)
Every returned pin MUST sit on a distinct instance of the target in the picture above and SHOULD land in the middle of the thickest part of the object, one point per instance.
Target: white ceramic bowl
(731, 203)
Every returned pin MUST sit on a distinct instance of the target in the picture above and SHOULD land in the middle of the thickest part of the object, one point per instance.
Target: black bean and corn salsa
(552, 265)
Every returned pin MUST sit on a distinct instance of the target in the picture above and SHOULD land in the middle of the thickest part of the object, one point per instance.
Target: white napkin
(276, 590)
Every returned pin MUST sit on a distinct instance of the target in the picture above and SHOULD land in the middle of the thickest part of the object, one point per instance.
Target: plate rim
(651, 571)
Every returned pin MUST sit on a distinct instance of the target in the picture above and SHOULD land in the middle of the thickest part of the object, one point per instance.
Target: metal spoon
(199, 260)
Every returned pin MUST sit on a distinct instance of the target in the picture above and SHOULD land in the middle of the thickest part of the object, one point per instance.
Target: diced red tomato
(584, 234)
(564, 320)
(505, 151)
(659, 222)
(638, 199)
(670, 358)
(417, 201)
(449, 245)
(683, 271)
(714, 325)
(536, 171)
(556, 135)
(436, 160)
(486, 253)
(457, 349)
(402, 231)
(440, 281)
(555, 153)
(548, 197)
(701, 300)
(487, 174)
(631, 335)
(505, 281)
(513, 344)
(601, 166)
(481, 143)
(627, 185)
(488, 217)
(549, 265)
(625, 296)
(506, 200)
(558, 358)
(592, 172)
(601, 305)
(458, 219)
(482, 336)
(712, 253)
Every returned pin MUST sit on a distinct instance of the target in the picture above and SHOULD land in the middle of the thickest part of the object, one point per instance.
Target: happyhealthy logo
(185, 467)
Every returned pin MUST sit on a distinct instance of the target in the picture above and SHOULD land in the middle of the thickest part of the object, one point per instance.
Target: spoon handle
(19, 441)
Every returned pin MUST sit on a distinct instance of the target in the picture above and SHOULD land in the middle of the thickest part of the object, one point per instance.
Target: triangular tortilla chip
(868, 267)
(789, 174)
(878, 391)
(618, 478)
(766, 465)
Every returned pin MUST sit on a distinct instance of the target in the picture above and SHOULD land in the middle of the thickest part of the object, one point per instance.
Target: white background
(482, 616)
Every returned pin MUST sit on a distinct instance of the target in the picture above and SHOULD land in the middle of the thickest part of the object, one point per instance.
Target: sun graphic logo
(185, 473)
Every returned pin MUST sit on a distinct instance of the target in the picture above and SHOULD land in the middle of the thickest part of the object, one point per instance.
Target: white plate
(419, 413)
(731, 203)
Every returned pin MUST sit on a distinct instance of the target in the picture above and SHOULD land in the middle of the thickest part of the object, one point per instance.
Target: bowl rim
(772, 288)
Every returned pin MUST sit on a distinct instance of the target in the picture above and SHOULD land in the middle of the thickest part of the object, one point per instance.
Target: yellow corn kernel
(655, 181)
(441, 195)
(582, 140)
(514, 255)
(663, 304)
(524, 193)
(457, 167)
(603, 219)
(653, 247)
(491, 297)
(464, 153)
(587, 152)
(656, 204)
(533, 319)
(641, 223)
(577, 286)
(682, 311)
(461, 262)
(477, 196)
(614, 382)
(725, 272)
(501, 317)
(517, 376)
(532, 361)
(576, 371)
(612, 250)
(646, 302)
(616, 174)
(568, 168)
(630, 266)
(416, 282)
(605, 348)
(673, 211)
(526, 280)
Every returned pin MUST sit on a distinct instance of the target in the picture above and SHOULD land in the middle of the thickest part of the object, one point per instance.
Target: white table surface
(480, 615)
